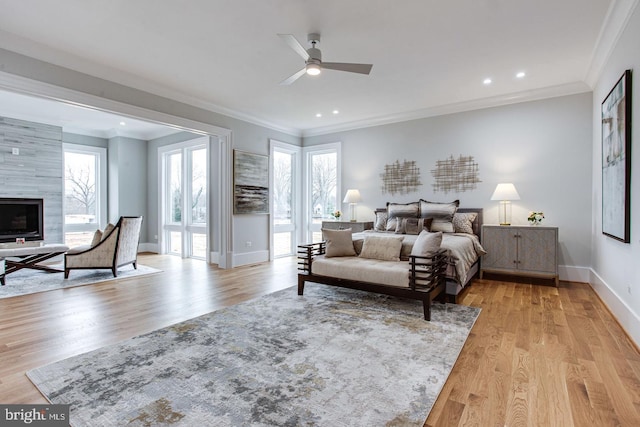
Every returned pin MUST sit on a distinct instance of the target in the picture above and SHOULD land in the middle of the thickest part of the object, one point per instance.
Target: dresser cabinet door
(500, 244)
(537, 251)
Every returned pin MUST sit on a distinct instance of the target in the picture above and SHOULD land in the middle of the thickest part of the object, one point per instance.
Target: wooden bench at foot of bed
(425, 279)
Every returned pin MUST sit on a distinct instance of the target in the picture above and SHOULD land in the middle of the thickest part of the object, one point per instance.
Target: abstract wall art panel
(250, 183)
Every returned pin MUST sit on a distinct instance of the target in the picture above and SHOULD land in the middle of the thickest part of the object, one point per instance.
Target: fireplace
(21, 220)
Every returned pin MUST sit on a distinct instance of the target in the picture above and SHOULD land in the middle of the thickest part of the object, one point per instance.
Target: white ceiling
(428, 56)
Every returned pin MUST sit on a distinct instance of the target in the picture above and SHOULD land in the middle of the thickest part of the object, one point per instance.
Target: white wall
(543, 147)
(614, 263)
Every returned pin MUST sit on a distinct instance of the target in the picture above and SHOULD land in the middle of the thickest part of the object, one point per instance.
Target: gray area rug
(27, 281)
(333, 357)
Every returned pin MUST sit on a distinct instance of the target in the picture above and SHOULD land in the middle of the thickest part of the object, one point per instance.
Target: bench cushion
(392, 273)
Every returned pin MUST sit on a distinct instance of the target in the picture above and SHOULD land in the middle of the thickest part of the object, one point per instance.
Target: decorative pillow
(97, 238)
(339, 243)
(442, 214)
(463, 222)
(427, 243)
(401, 210)
(412, 225)
(107, 230)
(381, 221)
(382, 248)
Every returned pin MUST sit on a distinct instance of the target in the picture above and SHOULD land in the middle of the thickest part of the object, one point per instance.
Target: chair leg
(115, 272)
(66, 273)
(135, 265)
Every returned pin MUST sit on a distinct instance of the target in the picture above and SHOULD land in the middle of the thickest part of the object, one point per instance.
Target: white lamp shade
(505, 191)
(352, 196)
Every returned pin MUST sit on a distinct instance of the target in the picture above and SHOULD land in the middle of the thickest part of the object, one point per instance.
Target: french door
(184, 201)
(285, 177)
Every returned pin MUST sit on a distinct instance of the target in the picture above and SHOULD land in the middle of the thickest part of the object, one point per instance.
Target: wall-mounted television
(21, 219)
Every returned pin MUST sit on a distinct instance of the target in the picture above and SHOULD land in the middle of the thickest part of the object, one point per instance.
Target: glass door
(285, 160)
(322, 187)
(184, 201)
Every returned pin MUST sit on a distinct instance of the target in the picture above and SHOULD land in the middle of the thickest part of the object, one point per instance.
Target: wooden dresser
(520, 250)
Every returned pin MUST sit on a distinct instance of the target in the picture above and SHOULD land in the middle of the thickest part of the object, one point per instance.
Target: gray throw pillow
(339, 243)
(382, 248)
(442, 214)
(463, 222)
(427, 243)
(400, 210)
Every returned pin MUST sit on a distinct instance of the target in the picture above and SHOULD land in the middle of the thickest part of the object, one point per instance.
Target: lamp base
(505, 223)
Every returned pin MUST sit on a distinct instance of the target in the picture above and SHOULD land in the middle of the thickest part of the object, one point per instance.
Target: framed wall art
(250, 183)
(616, 160)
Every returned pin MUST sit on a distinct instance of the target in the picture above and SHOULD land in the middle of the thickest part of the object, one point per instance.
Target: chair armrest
(427, 271)
(307, 252)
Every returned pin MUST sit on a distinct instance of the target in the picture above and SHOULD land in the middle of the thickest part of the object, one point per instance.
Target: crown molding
(614, 24)
(34, 50)
(476, 104)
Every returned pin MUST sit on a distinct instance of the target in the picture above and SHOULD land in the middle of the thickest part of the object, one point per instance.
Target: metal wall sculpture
(401, 178)
(456, 175)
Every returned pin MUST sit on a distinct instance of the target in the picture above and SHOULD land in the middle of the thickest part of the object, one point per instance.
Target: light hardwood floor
(537, 356)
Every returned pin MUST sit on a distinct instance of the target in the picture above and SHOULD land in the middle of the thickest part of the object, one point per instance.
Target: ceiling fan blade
(295, 45)
(293, 78)
(345, 66)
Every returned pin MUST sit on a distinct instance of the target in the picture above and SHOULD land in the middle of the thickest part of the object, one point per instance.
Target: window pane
(175, 242)
(282, 192)
(324, 181)
(199, 245)
(282, 244)
(175, 188)
(80, 188)
(199, 187)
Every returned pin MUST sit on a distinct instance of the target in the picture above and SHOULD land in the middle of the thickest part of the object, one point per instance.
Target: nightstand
(520, 250)
(355, 226)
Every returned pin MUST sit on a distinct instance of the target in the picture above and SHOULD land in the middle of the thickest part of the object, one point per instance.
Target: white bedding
(463, 251)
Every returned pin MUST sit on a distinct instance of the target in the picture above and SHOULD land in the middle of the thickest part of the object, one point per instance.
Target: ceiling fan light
(313, 69)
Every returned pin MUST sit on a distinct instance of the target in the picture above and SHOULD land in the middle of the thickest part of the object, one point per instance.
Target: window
(184, 169)
(322, 187)
(285, 199)
(85, 192)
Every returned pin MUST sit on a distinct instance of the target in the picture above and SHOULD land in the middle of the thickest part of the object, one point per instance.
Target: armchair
(118, 248)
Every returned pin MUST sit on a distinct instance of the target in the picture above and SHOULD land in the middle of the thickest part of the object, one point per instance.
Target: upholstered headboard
(477, 223)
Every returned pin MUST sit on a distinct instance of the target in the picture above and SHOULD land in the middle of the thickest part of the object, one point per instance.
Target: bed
(464, 250)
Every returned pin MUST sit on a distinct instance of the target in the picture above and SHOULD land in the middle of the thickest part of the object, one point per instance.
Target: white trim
(246, 258)
(476, 104)
(148, 247)
(27, 86)
(626, 317)
(615, 22)
(574, 274)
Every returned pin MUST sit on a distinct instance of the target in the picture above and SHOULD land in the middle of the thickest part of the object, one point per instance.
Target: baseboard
(572, 273)
(148, 247)
(247, 258)
(628, 320)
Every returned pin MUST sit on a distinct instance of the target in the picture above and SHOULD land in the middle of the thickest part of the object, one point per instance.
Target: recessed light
(318, 114)
(336, 111)
(486, 81)
(123, 124)
(520, 75)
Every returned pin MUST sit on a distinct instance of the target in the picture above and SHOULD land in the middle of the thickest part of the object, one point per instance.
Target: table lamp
(505, 192)
(352, 197)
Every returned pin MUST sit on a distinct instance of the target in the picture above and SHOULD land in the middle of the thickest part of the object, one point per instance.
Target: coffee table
(17, 258)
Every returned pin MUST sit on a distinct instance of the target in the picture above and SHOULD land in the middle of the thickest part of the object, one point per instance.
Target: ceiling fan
(313, 59)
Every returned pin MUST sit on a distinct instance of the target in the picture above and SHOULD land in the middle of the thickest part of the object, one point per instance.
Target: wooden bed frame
(425, 282)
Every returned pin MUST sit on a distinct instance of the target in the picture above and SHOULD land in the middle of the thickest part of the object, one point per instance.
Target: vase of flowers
(535, 218)
(336, 215)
